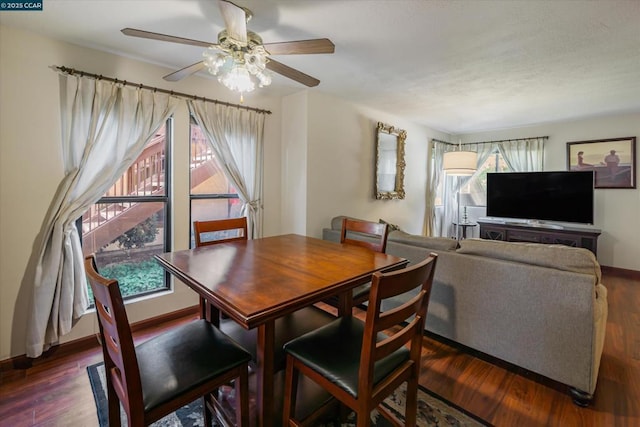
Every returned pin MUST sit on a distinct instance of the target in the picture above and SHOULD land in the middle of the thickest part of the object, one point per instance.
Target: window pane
(206, 175)
(125, 237)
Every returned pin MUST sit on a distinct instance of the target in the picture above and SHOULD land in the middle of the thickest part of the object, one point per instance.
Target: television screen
(564, 196)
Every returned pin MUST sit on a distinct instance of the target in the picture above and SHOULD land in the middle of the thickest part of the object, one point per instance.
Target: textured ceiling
(455, 66)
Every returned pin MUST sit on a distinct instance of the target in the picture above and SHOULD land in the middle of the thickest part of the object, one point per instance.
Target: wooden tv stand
(515, 232)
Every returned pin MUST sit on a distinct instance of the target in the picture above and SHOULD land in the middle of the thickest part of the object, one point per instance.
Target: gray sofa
(539, 307)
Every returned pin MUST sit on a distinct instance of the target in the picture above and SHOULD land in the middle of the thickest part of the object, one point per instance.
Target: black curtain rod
(72, 71)
(488, 142)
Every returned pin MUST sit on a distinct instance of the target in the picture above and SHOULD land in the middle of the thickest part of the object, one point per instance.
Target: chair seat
(287, 328)
(184, 358)
(334, 352)
(362, 292)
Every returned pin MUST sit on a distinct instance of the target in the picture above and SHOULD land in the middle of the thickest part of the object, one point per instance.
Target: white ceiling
(456, 66)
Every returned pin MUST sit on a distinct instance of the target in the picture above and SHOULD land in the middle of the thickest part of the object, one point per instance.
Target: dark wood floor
(57, 392)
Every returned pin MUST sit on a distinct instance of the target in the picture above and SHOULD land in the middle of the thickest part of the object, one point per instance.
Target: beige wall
(617, 211)
(294, 163)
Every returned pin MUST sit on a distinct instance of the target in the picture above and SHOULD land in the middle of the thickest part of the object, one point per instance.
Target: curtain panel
(105, 126)
(236, 136)
(432, 225)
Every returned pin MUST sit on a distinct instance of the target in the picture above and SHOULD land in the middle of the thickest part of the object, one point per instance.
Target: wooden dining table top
(254, 281)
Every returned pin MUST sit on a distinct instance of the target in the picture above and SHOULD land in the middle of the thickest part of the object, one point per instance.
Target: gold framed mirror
(389, 162)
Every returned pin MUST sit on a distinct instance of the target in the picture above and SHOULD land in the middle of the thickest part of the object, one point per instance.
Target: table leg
(345, 304)
(209, 312)
(265, 350)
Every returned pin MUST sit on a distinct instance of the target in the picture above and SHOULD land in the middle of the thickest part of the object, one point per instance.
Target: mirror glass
(389, 162)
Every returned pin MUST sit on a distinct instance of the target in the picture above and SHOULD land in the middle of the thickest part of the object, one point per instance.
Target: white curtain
(432, 223)
(523, 155)
(236, 136)
(105, 126)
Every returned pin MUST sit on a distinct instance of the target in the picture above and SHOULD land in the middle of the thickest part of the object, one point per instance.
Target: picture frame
(613, 160)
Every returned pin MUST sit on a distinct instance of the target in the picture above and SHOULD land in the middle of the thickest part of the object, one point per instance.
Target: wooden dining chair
(173, 369)
(214, 232)
(219, 231)
(362, 363)
(372, 235)
(368, 234)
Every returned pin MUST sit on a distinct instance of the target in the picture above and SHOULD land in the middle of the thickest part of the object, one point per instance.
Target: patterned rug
(432, 410)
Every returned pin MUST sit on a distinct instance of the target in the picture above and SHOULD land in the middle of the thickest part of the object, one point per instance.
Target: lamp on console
(459, 163)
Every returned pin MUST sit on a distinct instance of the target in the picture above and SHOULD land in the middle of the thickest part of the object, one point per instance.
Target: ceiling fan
(239, 58)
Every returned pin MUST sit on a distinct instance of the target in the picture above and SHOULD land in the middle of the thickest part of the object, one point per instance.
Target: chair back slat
(377, 233)
(399, 314)
(201, 228)
(121, 365)
(394, 342)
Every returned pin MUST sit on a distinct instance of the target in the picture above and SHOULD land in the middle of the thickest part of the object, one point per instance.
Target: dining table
(256, 282)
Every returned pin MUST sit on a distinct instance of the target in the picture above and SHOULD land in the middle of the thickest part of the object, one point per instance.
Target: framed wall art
(613, 160)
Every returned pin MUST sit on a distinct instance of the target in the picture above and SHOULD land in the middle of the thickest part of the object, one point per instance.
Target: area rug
(432, 409)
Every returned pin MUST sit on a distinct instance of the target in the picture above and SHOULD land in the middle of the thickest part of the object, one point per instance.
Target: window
(212, 195)
(130, 224)
(474, 192)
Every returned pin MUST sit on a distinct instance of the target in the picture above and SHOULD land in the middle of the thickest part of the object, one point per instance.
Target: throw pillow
(391, 227)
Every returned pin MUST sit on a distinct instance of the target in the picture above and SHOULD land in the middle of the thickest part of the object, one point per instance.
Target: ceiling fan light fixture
(238, 79)
(214, 60)
(264, 79)
(238, 47)
(239, 69)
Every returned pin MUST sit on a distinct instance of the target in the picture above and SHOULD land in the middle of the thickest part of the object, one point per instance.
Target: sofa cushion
(560, 257)
(437, 243)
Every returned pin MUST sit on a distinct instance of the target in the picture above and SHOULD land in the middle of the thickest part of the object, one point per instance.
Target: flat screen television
(563, 196)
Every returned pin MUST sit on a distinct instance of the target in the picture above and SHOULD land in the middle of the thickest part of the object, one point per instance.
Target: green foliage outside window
(133, 277)
(138, 236)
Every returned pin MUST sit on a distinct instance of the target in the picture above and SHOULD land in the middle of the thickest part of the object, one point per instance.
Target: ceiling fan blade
(184, 72)
(292, 73)
(300, 47)
(235, 20)
(164, 37)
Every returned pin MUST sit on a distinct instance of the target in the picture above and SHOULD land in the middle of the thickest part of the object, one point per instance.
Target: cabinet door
(524, 236)
(491, 233)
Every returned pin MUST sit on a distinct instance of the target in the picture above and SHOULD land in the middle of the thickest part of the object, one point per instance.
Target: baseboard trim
(620, 272)
(23, 362)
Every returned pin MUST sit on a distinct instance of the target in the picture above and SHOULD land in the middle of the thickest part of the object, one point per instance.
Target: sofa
(539, 307)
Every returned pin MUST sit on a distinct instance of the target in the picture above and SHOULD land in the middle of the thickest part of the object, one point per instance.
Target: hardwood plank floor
(56, 392)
